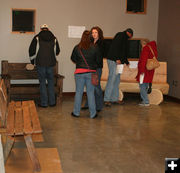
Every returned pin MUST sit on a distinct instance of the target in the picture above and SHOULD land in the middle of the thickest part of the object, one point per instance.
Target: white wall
(59, 14)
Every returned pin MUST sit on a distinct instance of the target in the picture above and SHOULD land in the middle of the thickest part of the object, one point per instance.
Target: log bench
(128, 83)
(15, 74)
(19, 119)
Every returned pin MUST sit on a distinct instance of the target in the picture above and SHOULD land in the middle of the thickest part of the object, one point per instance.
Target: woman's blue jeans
(112, 87)
(98, 92)
(83, 80)
(143, 92)
(46, 73)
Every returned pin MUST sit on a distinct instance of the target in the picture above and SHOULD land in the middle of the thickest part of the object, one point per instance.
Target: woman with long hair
(98, 40)
(85, 56)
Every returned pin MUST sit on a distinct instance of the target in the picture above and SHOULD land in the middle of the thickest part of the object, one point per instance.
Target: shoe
(119, 102)
(95, 116)
(84, 107)
(53, 105)
(144, 104)
(39, 105)
(74, 115)
(107, 104)
(98, 110)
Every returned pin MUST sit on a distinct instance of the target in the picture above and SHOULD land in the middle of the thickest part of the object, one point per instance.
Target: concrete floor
(122, 139)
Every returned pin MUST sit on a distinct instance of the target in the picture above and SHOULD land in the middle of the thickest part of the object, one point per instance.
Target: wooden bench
(129, 84)
(30, 88)
(19, 119)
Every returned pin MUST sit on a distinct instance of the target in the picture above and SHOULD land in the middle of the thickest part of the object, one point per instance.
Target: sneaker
(144, 104)
(107, 104)
(74, 115)
(119, 102)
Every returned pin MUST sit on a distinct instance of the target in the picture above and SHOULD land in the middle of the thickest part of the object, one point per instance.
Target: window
(23, 20)
(136, 6)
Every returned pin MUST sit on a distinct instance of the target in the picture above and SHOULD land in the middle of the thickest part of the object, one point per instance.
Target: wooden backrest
(3, 103)
(160, 75)
(18, 70)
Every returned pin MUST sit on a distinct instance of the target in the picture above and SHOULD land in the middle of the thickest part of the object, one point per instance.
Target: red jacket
(145, 54)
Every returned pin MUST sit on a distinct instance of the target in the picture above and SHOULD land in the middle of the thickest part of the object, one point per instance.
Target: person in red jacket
(144, 76)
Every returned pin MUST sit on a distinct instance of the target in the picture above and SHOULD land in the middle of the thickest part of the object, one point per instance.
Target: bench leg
(2, 169)
(32, 153)
(9, 142)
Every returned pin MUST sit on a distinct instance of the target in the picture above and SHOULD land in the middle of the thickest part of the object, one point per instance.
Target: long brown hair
(100, 32)
(85, 42)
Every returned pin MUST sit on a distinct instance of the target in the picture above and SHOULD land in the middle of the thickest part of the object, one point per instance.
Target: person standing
(85, 56)
(44, 58)
(117, 55)
(149, 49)
(98, 40)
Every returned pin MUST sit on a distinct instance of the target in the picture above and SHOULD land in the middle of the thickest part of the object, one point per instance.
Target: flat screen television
(23, 20)
(133, 47)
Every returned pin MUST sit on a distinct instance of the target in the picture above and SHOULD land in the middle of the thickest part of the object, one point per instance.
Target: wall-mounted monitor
(133, 47)
(23, 20)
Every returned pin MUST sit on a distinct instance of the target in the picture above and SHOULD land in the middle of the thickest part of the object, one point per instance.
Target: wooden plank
(34, 118)
(32, 153)
(2, 169)
(19, 124)
(27, 120)
(18, 104)
(10, 119)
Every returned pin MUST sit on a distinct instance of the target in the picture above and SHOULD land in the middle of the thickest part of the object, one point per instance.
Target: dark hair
(100, 32)
(85, 42)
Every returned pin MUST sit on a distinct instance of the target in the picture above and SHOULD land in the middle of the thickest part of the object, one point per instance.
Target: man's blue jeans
(46, 73)
(112, 87)
(143, 92)
(98, 92)
(83, 80)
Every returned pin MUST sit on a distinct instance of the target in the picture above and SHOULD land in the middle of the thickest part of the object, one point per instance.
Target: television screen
(133, 48)
(23, 21)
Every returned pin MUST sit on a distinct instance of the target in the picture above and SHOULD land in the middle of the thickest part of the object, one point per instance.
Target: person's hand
(32, 61)
(118, 61)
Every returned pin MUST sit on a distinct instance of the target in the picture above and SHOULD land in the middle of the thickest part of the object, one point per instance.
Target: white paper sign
(119, 68)
(133, 64)
(75, 31)
(141, 78)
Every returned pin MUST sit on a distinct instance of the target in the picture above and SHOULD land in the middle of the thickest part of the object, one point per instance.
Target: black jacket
(91, 55)
(48, 49)
(118, 48)
(101, 48)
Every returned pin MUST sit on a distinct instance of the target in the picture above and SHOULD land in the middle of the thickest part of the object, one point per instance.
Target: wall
(59, 14)
(169, 42)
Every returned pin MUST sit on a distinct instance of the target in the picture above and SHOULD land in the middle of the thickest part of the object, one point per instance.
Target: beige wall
(58, 14)
(169, 42)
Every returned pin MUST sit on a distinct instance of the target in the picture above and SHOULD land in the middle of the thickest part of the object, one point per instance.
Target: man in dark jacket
(117, 55)
(45, 60)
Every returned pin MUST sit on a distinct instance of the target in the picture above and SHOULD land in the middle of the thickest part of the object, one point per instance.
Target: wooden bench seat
(19, 119)
(23, 84)
(129, 84)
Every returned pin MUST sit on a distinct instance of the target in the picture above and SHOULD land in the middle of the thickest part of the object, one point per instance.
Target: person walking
(117, 54)
(85, 56)
(42, 52)
(98, 40)
(144, 76)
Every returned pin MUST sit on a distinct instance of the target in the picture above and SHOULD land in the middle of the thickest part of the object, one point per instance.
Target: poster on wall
(75, 31)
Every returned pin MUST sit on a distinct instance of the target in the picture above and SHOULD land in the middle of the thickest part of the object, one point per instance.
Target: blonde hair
(144, 42)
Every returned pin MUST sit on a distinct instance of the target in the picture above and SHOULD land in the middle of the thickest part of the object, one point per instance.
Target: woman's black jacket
(91, 55)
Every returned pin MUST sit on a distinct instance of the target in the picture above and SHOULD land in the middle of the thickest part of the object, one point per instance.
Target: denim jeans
(143, 92)
(112, 87)
(83, 80)
(98, 92)
(46, 73)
